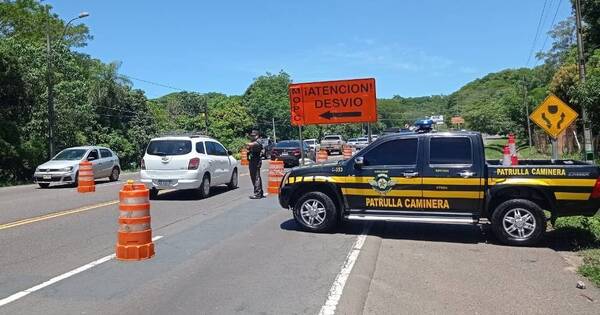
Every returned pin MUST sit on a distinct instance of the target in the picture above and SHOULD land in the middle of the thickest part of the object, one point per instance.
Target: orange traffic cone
(135, 234)
(276, 172)
(85, 179)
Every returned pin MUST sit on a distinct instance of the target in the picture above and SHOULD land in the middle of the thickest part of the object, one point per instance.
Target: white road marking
(64, 276)
(335, 292)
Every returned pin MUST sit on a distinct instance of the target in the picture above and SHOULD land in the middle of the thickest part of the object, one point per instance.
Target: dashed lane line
(58, 278)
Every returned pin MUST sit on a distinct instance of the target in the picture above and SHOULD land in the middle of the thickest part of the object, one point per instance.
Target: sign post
(554, 116)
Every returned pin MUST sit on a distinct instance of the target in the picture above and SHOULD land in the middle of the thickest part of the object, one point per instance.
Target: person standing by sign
(255, 162)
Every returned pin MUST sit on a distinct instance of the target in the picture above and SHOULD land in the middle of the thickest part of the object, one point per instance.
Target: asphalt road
(227, 254)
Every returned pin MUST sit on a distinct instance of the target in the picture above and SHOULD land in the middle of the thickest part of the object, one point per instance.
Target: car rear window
(169, 147)
(332, 138)
(288, 144)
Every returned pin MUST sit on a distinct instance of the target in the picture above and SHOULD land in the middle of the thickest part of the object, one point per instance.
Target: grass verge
(584, 233)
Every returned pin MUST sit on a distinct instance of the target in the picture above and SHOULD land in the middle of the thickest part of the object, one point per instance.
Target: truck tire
(315, 212)
(519, 222)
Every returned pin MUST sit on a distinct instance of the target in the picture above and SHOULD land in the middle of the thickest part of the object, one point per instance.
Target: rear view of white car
(188, 162)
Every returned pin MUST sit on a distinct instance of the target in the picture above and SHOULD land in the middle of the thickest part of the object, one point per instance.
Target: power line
(551, 26)
(154, 83)
(537, 33)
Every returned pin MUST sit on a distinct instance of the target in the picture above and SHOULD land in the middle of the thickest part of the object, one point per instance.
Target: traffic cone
(506, 159)
(512, 145)
(134, 240)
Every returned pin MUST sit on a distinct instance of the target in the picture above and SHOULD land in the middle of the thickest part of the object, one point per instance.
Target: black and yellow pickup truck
(441, 178)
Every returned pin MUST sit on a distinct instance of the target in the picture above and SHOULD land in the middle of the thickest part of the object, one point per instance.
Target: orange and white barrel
(244, 154)
(347, 152)
(134, 240)
(322, 156)
(276, 172)
(85, 179)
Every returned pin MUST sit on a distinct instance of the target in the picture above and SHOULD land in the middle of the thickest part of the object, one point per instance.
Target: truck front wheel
(315, 212)
(518, 222)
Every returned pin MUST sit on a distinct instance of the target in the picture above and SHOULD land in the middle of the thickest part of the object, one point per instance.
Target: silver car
(63, 168)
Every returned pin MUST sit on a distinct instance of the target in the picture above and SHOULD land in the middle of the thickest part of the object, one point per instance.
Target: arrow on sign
(329, 115)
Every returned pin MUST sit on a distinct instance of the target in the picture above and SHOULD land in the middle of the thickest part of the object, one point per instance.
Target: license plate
(284, 154)
(47, 177)
(164, 182)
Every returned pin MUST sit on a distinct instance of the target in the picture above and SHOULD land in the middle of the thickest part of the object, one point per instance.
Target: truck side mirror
(359, 162)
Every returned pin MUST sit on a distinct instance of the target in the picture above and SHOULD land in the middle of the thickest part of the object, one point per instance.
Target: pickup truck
(441, 178)
(332, 143)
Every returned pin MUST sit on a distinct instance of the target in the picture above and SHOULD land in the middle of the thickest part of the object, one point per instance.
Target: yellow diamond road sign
(553, 115)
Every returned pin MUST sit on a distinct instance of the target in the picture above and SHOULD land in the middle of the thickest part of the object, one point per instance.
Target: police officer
(255, 162)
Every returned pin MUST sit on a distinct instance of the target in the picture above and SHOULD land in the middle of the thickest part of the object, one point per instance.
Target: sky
(411, 48)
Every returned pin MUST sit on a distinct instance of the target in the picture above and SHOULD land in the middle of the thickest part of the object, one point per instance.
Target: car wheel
(518, 222)
(204, 189)
(44, 185)
(315, 212)
(153, 193)
(114, 175)
(233, 183)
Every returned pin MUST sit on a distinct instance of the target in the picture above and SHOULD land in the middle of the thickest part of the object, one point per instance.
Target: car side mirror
(359, 162)
(229, 152)
(91, 158)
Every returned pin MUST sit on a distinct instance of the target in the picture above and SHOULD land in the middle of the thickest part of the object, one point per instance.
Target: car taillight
(194, 163)
(596, 190)
(143, 164)
(296, 152)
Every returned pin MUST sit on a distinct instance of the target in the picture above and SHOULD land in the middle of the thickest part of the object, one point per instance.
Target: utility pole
(206, 118)
(49, 77)
(50, 100)
(587, 133)
(274, 135)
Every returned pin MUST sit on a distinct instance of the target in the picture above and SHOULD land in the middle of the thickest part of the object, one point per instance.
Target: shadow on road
(99, 182)
(450, 233)
(189, 194)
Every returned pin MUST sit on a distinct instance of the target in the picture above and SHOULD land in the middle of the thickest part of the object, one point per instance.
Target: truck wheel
(315, 212)
(518, 222)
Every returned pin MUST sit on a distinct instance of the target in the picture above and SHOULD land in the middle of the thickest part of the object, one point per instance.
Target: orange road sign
(333, 102)
(553, 115)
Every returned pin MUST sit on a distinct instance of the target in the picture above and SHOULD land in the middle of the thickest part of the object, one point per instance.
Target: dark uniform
(255, 162)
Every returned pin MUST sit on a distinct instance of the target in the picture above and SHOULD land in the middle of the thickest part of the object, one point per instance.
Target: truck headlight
(67, 169)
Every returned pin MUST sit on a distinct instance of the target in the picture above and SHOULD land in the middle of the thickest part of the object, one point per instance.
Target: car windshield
(288, 144)
(70, 155)
(353, 140)
(362, 140)
(309, 141)
(169, 147)
(332, 138)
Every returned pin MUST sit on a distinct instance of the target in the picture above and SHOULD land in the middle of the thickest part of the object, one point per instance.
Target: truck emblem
(382, 183)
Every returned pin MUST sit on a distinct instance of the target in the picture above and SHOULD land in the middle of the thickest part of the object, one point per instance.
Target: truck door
(453, 174)
(389, 176)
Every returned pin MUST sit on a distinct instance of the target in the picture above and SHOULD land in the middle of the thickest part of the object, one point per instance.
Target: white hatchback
(188, 162)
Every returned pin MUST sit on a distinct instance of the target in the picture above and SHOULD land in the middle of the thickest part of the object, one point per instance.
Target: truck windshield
(169, 147)
(332, 138)
(70, 155)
